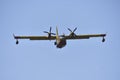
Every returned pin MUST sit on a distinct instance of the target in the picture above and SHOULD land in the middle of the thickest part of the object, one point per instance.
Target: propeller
(49, 33)
(72, 32)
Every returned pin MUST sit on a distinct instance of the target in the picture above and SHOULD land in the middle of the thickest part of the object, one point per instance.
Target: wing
(36, 37)
(85, 36)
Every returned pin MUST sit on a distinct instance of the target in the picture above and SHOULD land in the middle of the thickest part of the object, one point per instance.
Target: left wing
(36, 37)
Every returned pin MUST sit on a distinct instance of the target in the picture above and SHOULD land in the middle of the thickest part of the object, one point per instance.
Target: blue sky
(41, 60)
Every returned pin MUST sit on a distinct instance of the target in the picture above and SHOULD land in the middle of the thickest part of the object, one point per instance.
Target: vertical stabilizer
(57, 35)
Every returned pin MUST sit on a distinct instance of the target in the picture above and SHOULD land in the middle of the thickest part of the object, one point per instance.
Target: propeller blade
(53, 33)
(72, 32)
(45, 32)
(69, 29)
(75, 29)
(50, 29)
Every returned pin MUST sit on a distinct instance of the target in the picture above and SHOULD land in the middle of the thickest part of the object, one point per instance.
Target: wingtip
(14, 36)
(105, 34)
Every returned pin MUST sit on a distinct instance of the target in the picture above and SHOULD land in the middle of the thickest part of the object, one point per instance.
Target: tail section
(57, 35)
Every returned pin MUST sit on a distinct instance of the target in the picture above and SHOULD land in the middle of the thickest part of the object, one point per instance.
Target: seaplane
(60, 40)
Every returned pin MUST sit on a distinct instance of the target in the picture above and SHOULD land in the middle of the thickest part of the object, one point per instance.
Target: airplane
(60, 39)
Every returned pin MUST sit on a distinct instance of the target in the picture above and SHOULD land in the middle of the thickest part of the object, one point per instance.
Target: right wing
(84, 36)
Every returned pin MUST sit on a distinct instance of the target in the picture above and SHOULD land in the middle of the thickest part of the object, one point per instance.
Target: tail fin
(57, 35)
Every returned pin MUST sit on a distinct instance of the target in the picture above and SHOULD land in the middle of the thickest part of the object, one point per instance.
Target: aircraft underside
(60, 39)
(61, 43)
